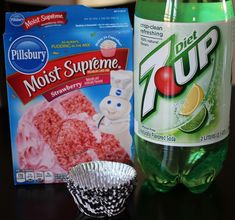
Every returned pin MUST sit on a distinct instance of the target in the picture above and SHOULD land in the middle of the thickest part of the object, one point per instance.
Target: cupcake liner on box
(100, 188)
(108, 48)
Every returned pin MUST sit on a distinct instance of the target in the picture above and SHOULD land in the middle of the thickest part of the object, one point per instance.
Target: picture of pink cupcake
(108, 48)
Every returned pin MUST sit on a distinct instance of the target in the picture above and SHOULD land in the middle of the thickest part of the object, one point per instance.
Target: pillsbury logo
(28, 54)
(16, 19)
(118, 92)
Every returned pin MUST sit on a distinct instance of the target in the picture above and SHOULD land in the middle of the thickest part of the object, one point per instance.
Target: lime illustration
(192, 100)
(196, 122)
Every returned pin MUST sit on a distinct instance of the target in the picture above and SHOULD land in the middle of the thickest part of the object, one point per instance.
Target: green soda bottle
(182, 88)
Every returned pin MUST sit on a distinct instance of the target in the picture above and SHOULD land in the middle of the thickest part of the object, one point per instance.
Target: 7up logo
(171, 66)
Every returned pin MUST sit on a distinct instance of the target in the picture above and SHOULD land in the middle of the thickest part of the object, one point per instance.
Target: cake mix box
(69, 80)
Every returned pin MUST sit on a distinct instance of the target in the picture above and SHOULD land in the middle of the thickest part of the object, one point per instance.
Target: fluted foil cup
(100, 188)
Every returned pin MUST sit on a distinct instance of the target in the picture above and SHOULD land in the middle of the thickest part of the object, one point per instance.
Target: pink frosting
(34, 152)
(54, 136)
(108, 48)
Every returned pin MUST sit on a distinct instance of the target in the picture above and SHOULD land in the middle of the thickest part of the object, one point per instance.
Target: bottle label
(182, 81)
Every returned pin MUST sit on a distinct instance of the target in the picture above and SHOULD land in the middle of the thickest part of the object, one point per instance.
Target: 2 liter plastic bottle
(183, 58)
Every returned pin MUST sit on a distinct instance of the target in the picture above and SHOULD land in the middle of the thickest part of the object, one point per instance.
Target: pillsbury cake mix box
(69, 80)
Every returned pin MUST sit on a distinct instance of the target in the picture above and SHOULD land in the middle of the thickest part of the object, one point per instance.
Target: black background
(53, 202)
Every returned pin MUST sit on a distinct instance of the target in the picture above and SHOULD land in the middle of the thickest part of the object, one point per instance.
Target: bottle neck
(185, 10)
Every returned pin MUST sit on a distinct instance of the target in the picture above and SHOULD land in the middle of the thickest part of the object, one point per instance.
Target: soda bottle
(182, 88)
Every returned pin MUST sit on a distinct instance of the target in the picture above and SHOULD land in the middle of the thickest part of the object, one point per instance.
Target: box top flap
(67, 17)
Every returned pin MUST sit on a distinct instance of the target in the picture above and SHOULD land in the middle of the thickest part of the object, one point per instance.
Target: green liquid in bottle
(184, 11)
(165, 166)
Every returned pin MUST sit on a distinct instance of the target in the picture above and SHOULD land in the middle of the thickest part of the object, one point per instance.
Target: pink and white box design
(69, 81)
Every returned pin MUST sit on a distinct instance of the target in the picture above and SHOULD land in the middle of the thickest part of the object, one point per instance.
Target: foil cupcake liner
(100, 188)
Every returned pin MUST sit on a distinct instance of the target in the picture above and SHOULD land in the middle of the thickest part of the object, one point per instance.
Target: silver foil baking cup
(100, 188)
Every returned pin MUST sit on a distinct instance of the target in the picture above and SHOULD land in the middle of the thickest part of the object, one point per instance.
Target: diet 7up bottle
(183, 57)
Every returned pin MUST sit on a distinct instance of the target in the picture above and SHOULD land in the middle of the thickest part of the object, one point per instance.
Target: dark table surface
(53, 202)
